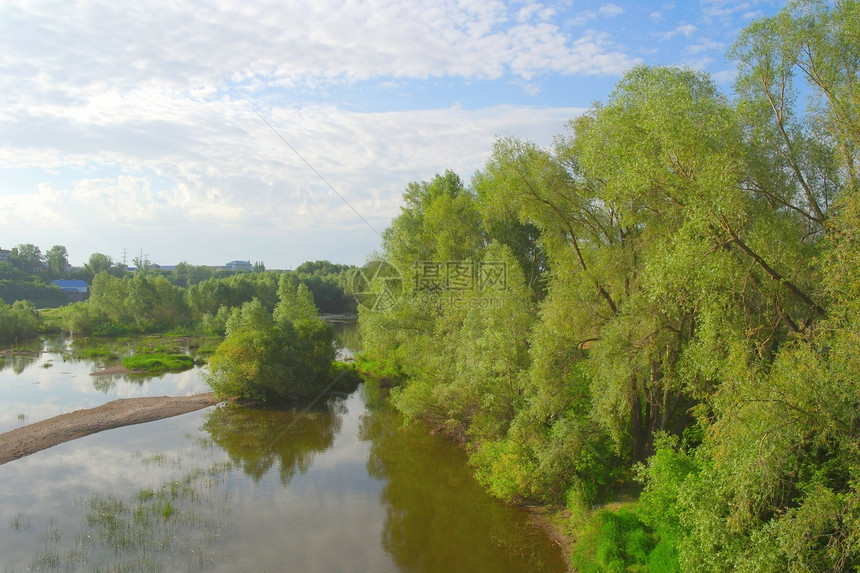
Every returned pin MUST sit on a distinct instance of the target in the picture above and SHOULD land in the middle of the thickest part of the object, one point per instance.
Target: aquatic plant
(158, 362)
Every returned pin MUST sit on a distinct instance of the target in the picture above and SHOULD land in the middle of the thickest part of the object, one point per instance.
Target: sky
(282, 131)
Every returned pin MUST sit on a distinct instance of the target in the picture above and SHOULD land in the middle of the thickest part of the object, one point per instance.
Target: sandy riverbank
(38, 436)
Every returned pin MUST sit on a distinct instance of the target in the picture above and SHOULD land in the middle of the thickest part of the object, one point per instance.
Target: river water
(342, 486)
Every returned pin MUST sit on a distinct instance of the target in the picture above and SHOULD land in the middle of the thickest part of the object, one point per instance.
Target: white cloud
(69, 48)
(725, 76)
(142, 117)
(193, 182)
(583, 18)
(685, 30)
(725, 10)
(705, 45)
(611, 10)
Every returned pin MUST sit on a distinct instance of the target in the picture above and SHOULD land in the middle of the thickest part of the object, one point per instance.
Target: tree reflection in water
(257, 439)
(437, 516)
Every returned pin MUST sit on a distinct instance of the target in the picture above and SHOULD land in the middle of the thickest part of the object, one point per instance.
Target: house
(239, 266)
(72, 286)
(4, 254)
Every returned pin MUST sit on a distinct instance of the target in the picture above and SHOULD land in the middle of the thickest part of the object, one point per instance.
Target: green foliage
(133, 303)
(617, 542)
(158, 362)
(295, 301)
(682, 298)
(27, 257)
(503, 468)
(19, 321)
(57, 259)
(232, 291)
(283, 357)
(186, 275)
(16, 284)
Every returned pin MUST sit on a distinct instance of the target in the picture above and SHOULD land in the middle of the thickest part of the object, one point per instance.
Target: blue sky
(139, 126)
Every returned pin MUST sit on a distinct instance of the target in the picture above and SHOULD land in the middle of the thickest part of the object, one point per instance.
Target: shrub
(613, 542)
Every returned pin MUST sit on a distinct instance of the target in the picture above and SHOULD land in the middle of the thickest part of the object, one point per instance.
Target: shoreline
(32, 438)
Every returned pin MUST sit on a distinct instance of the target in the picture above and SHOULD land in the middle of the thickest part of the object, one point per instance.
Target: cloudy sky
(283, 130)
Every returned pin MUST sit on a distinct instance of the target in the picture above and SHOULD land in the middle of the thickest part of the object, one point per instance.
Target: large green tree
(284, 357)
(773, 486)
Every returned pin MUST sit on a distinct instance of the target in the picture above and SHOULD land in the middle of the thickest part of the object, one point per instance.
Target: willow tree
(774, 487)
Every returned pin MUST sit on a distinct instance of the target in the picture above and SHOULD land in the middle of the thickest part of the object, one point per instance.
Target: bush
(21, 320)
(264, 359)
(614, 542)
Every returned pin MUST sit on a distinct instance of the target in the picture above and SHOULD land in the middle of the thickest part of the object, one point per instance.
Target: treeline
(149, 302)
(17, 285)
(28, 275)
(667, 297)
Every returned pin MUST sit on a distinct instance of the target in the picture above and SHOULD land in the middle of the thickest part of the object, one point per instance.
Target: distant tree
(186, 275)
(21, 320)
(119, 269)
(16, 285)
(259, 267)
(98, 262)
(27, 257)
(320, 268)
(57, 258)
(141, 263)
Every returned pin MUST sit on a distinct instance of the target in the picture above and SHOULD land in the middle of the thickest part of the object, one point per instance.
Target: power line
(318, 174)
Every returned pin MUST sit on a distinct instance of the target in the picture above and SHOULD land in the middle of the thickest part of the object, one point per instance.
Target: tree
(282, 358)
(27, 257)
(186, 275)
(58, 260)
(773, 485)
(295, 301)
(18, 321)
(696, 263)
(97, 263)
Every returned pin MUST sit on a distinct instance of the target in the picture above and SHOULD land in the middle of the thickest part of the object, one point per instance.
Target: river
(342, 486)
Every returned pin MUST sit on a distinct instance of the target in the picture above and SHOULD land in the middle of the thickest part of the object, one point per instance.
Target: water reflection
(257, 439)
(437, 517)
(51, 376)
(338, 487)
(17, 360)
(346, 335)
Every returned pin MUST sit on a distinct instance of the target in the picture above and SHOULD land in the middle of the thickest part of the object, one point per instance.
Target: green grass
(618, 542)
(158, 362)
(96, 352)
